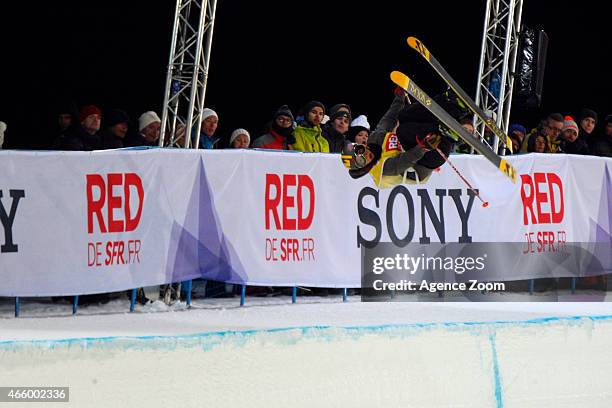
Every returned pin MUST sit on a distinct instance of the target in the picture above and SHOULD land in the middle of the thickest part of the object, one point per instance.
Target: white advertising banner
(90, 222)
(281, 218)
(77, 223)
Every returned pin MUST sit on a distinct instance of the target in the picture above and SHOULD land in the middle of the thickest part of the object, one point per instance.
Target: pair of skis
(418, 46)
(408, 85)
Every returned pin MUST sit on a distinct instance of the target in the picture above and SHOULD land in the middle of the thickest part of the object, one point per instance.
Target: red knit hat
(89, 110)
(569, 123)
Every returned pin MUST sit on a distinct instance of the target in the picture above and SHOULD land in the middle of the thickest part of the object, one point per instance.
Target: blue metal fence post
(242, 294)
(573, 285)
(133, 300)
(188, 286)
(17, 306)
(531, 286)
(344, 294)
(75, 304)
(293, 294)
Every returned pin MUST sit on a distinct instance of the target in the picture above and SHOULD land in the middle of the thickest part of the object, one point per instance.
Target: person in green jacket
(308, 134)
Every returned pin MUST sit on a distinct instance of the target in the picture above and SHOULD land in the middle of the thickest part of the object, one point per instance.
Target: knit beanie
(588, 113)
(146, 119)
(357, 125)
(308, 107)
(208, 112)
(89, 110)
(116, 116)
(361, 121)
(516, 127)
(337, 107)
(239, 132)
(67, 107)
(283, 111)
(570, 124)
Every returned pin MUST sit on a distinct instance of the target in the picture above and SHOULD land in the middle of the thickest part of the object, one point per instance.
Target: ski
(419, 47)
(402, 80)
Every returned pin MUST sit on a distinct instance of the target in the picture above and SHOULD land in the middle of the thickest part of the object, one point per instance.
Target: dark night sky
(266, 54)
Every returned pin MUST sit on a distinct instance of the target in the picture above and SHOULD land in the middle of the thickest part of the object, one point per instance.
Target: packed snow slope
(318, 352)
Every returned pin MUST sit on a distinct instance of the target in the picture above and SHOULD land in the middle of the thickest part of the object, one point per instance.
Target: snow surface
(46, 320)
(318, 352)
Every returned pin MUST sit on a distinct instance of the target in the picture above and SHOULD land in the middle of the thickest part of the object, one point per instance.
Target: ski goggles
(354, 156)
(359, 157)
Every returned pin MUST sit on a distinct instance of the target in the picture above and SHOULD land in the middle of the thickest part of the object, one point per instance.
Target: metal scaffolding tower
(500, 39)
(187, 75)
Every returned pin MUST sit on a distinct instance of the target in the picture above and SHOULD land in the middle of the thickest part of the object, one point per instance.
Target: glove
(399, 91)
(430, 142)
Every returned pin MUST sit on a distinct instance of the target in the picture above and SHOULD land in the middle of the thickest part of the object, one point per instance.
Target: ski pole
(484, 203)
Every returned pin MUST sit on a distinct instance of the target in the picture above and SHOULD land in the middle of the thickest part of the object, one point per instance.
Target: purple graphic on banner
(601, 227)
(209, 254)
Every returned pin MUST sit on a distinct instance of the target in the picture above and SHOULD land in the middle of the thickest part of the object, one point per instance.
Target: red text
(103, 199)
(285, 194)
(536, 193)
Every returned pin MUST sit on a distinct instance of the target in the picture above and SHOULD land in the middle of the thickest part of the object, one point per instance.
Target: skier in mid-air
(406, 145)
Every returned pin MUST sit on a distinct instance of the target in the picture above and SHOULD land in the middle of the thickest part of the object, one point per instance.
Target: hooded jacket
(310, 139)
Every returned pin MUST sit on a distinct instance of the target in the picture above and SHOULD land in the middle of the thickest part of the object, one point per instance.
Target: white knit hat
(239, 132)
(146, 119)
(208, 112)
(362, 121)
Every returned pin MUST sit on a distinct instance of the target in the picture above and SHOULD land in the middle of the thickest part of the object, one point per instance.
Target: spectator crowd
(314, 129)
